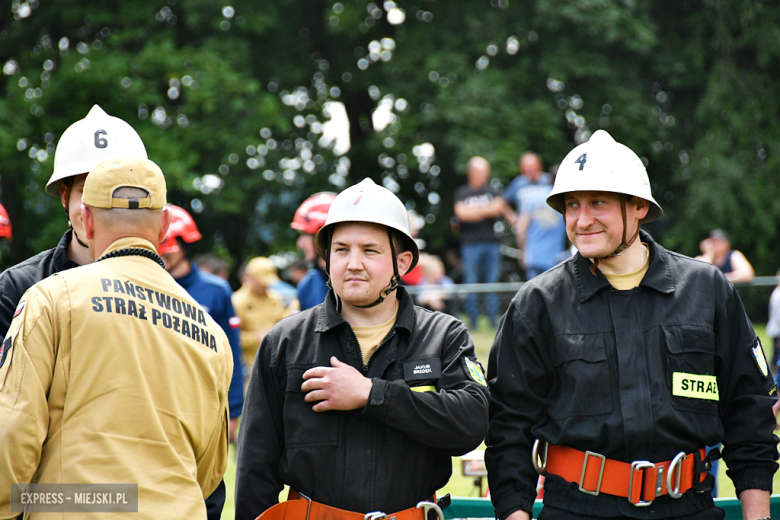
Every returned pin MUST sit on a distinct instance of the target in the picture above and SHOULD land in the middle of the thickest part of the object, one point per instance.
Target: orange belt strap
(300, 507)
(640, 482)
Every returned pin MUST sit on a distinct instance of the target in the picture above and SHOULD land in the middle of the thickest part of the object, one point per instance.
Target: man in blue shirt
(540, 231)
(308, 219)
(213, 294)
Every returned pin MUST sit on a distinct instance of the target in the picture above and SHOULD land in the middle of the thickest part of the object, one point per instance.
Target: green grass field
(465, 486)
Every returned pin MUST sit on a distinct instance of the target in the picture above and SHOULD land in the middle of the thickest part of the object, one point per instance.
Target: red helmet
(5, 224)
(181, 226)
(311, 215)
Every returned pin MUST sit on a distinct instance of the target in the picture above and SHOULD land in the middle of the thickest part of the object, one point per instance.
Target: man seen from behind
(111, 372)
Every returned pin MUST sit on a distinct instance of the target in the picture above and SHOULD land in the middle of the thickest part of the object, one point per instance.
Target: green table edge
(468, 507)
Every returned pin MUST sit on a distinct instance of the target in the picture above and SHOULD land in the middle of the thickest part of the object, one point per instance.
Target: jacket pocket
(584, 384)
(303, 427)
(690, 368)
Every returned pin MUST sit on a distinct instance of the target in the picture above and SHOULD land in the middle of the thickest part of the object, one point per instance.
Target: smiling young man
(623, 363)
(359, 403)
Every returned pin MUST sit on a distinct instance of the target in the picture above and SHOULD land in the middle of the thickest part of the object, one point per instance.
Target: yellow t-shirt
(370, 337)
(626, 281)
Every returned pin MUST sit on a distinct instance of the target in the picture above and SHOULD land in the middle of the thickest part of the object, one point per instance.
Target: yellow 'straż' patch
(695, 386)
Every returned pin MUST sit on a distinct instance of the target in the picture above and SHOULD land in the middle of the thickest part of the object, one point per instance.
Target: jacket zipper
(389, 336)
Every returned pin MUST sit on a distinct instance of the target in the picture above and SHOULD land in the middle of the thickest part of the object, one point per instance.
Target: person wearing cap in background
(82, 146)
(308, 219)
(286, 292)
(623, 363)
(359, 403)
(716, 250)
(111, 372)
(258, 307)
(213, 294)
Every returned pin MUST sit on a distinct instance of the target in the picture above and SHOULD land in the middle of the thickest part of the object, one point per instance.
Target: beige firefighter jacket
(112, 373)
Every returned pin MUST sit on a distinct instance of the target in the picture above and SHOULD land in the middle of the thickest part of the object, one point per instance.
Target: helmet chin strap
(383, 293)
(625, 244)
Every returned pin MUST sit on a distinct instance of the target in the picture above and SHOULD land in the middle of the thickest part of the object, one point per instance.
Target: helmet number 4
(581, 160)
(100, 142)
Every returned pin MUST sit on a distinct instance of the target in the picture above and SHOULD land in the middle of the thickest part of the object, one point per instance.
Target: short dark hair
(400, 241)
(210, 262)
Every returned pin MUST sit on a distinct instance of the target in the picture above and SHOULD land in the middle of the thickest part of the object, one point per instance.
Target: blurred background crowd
(250, 108)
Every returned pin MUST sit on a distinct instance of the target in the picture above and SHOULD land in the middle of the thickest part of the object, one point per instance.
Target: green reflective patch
(760, 358)
(695, 386)
(423, 389)
(475, 371)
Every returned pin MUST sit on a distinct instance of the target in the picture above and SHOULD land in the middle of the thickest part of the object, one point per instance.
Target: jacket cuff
(378, 404)
(511, 504)
(504, 516)
(752, 478)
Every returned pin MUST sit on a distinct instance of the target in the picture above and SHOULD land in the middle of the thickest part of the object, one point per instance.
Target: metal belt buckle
(601, 472)
(375, 515)
(675, 468)
(636, 466)
(427, 506)
(540, 469)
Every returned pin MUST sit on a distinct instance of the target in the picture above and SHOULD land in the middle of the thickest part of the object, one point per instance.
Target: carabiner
(427, 506)
(542, 470)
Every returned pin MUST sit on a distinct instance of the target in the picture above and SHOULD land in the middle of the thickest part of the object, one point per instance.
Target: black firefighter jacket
(15, 280)
(385, 457)
(580, 364)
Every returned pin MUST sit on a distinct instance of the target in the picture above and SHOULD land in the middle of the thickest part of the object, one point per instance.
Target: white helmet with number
(367, 202)
(90, 141)
(602, 164)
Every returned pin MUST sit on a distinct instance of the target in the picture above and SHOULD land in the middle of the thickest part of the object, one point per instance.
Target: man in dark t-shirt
(478, 206)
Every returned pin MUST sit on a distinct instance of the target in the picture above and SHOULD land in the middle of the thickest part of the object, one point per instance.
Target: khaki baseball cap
(263, 270)
(125, 172)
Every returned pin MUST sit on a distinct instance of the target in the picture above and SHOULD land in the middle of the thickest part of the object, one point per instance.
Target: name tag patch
(422, 369)
(695, 386)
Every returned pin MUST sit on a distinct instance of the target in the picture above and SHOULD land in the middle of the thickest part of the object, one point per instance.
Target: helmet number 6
(100, 142)
(581, 160)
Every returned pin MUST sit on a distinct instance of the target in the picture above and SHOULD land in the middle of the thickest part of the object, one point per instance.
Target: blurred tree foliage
(232, 102)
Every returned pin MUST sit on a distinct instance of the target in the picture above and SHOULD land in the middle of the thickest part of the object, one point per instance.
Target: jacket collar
(658, 276)
(328, 318)
(61, 260)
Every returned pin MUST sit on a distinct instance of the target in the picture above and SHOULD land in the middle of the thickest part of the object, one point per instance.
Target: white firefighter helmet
(90, 141)
(602, 164)
(367, 202)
